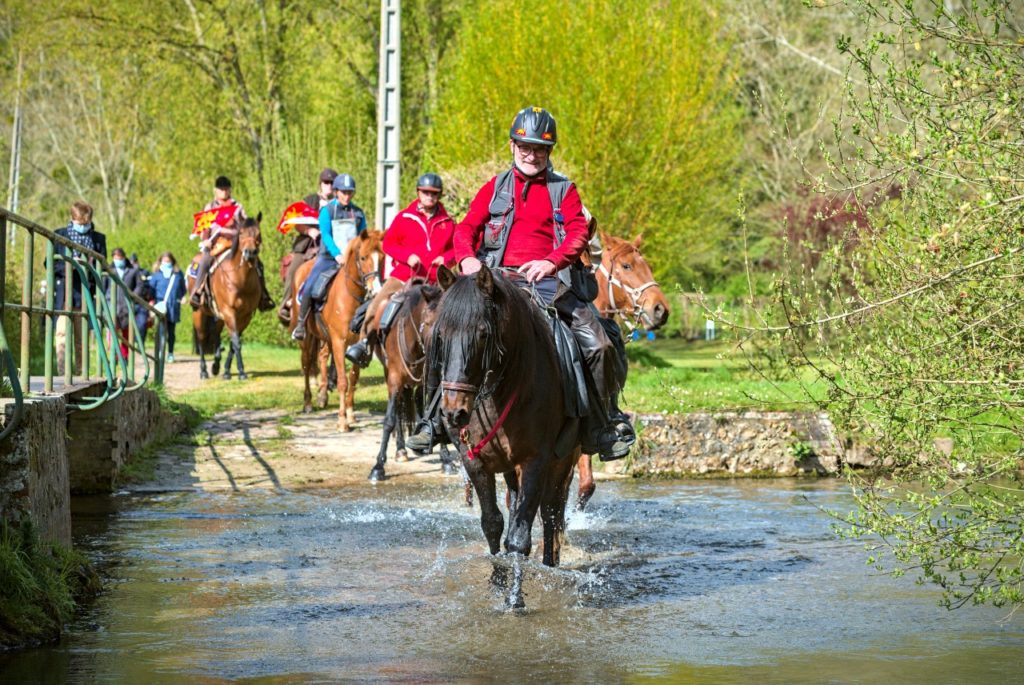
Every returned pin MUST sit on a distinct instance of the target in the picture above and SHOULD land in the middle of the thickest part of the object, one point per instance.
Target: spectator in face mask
(81, 231)
(169, 288)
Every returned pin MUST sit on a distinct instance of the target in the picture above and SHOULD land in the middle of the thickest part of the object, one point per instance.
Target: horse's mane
(514, 327)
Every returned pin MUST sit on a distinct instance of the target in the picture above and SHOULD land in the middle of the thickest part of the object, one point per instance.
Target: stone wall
(54, 453)
(729, 443)
(34, 469)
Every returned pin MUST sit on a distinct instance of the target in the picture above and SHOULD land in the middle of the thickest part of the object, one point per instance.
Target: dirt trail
(273, 448)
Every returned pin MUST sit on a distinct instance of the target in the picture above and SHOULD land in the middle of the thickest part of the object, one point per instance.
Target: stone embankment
(738, 444)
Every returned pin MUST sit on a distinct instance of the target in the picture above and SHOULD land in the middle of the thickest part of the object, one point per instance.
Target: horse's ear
(637, 240)
(445, 277)
(259, 218)
(485, 280)
(431, 293)
(606, 238)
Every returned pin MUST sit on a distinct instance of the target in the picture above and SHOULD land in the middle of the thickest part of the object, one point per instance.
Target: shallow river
(663, 582)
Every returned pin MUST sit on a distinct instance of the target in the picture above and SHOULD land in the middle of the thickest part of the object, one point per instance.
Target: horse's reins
(635, 294)
(403, 350)
(364, 277)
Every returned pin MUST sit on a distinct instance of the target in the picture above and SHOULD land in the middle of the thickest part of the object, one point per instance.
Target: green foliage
(646, 121)
(40, 586)
(921, 337)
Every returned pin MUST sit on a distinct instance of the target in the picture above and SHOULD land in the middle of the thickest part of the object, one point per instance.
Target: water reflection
(662, 582)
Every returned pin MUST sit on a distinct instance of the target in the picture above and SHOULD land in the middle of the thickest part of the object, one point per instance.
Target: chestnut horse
(625, 288)
(327, 332)
(234, 294)
(500, 395)
(403, 355)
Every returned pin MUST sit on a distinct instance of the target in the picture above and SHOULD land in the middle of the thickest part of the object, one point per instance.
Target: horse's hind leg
(231, 356)
(586, 485)
(236, 345)
(552, 512)
(216, 359)
(203, 374)
(350, 394)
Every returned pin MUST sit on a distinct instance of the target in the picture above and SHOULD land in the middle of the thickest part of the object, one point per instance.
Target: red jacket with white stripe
(412, 233)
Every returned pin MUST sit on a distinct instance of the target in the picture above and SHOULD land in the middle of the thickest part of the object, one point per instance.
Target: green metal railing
(91, 327)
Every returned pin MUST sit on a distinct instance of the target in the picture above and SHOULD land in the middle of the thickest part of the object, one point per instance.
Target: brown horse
(627, 290)
(501, 398)
(328, 331)
(234, 295)
(403, 355)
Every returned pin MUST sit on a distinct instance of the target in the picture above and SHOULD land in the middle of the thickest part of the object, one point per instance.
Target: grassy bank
(665, 376)
(40, 586)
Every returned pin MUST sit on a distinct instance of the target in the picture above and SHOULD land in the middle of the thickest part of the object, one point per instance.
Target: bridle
(639, 316)
(366, 276)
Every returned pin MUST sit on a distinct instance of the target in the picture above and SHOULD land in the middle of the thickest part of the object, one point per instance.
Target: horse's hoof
(203, 375)
(350, 414)
(401, 455)
(343, 427)
(216, 366)
(243, 376)
(449, 469)
(307, 409)
(377, 475)
(226, 376)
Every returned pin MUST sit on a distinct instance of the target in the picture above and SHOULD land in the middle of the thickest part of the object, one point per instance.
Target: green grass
(40, 586)
(669, 375)
(275, 382)
(677, 376)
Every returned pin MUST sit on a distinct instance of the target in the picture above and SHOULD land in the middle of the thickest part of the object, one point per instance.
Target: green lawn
(665, 376)
(275, 381)
(673, 375)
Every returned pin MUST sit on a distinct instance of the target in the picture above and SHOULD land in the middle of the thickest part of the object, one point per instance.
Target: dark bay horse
(234, 295)
(502, 400)
(403, 355)
(328, 332)
(626, 289)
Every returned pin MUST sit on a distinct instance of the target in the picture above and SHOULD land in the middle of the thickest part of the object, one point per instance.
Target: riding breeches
(322, 264)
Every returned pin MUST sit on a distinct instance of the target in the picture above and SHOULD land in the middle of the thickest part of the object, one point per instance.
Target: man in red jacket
(529, 221)
(419, 241)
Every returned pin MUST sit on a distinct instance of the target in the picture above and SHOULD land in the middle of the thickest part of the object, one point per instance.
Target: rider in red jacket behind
(419, 241)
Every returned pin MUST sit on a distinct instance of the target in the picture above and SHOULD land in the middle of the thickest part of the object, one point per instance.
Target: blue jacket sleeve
(325, 233)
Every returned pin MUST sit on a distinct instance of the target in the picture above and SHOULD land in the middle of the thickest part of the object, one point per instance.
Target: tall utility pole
(389, 111)
(12, 182)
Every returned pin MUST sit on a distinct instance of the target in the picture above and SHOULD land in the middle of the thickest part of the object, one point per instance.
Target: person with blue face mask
(131, 276)
(169, 288)
(81, 231)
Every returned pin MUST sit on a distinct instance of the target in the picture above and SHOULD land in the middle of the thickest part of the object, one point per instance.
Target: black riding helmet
(534, 125)
(429, 181)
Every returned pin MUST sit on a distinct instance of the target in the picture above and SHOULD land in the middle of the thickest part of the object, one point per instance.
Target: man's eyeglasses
(535, 150)
(432, 193)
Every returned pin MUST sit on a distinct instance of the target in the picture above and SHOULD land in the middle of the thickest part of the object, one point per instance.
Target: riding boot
(199, 284)
(359, 353)
(266, 301)
(300, 329)
(429, 430)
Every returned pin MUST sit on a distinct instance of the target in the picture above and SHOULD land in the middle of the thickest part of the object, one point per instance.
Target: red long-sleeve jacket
(412, 233)
(532, 235)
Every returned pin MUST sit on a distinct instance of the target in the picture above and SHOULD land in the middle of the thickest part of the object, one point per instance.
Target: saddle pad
(570, 362)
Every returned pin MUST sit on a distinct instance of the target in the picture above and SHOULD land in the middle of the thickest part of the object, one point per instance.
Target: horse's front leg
(377, 472)
(322, 350)
(350, 393)
(231, 356)
(306, 361)
(203, 374)
(338, 348)
(491, 520)
(523, 508)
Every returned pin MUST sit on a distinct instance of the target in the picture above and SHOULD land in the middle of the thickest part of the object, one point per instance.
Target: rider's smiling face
(530, 158)
(344, 196)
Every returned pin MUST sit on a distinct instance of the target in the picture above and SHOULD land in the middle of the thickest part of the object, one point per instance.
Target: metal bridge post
(389, 112)
(69, 327)
(26, 317)
(49, 321)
